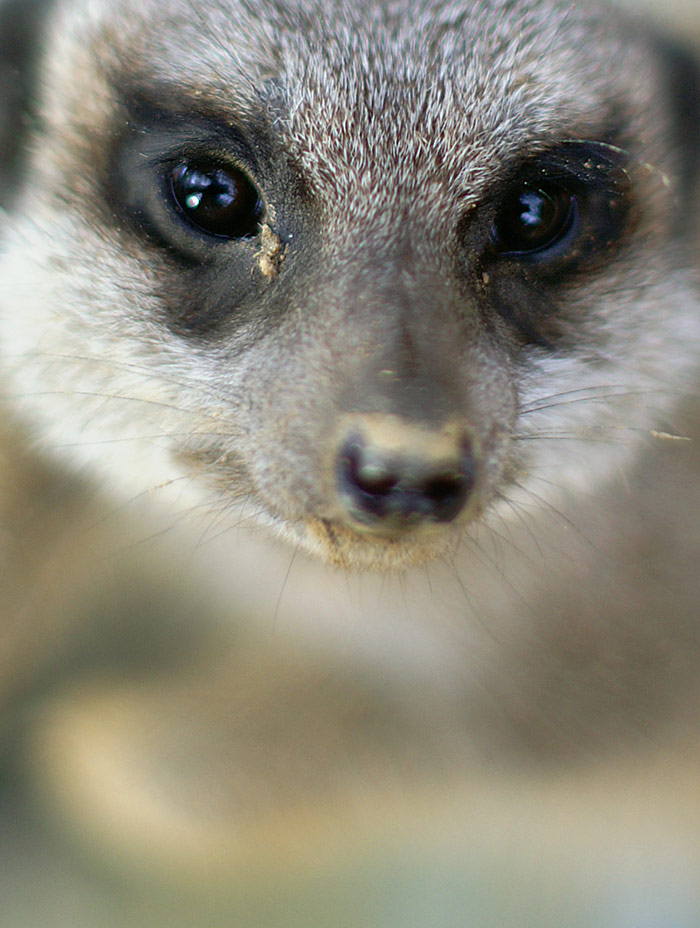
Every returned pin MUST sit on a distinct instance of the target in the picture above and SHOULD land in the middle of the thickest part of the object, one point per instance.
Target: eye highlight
(217, 199)
(533, 219)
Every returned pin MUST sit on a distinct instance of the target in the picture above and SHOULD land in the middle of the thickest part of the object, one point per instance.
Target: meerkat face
(372, 271)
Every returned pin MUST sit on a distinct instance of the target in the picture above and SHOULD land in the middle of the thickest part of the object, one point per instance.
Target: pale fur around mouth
(353, 550)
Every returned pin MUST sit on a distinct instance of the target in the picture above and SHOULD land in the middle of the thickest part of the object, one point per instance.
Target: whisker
(150, 437)
(491, 564)
(112, 364)
(519, 516)
(252, 519)
(543, 503)
(160, 404)
(467, 598)
(284, 585)
(115, 510)
(428, 578)
(584, 396)
(572, 436)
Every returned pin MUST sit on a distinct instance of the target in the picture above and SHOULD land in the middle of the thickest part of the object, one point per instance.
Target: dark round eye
(534, 219)
(218, 199)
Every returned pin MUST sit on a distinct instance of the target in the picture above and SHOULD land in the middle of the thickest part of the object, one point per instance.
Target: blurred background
(123, 801)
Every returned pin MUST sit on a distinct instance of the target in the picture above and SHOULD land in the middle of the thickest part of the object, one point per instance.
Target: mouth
(358, 548)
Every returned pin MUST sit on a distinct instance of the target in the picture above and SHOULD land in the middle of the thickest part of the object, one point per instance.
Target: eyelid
(598, 165)
(596, 176)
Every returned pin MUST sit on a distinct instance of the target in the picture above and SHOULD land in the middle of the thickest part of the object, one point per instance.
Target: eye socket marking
(217, 199)
(534, 219)
(555, 220)
(564, 208)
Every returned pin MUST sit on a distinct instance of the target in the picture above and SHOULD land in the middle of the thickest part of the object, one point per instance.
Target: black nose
(396, 477)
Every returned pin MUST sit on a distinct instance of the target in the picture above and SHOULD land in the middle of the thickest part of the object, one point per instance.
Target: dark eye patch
(189, 185)
(564, 208)
(555, 218)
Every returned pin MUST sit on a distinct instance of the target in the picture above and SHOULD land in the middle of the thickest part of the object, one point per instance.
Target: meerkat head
(371, 270)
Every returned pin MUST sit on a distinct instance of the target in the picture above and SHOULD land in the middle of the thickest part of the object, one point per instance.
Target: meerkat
(410, 287)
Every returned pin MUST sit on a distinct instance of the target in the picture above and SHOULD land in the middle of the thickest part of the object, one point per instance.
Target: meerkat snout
(394, 477)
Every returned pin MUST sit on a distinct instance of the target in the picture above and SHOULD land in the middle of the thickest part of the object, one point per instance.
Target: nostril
(395, 489)
(366, 480)
(447, 493)
(370, 476)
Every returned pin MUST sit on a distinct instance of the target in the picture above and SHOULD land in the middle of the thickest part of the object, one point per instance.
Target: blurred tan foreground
(144, 783)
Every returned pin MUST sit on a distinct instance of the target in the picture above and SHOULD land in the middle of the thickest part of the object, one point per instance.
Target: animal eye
(217, 199)
(532, 220)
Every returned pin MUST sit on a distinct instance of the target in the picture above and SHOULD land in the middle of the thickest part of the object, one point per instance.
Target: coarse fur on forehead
(462, 74)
